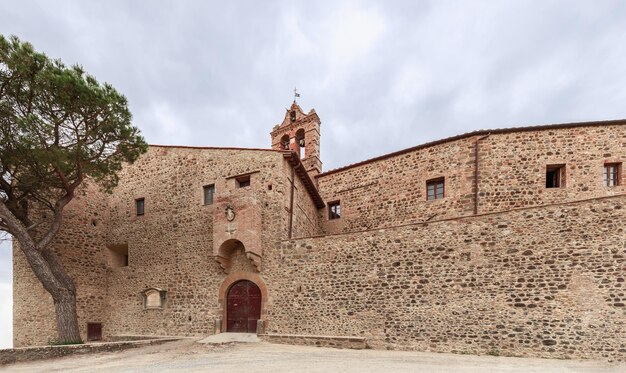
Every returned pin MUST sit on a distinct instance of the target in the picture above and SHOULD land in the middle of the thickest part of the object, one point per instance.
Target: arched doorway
(243, 307)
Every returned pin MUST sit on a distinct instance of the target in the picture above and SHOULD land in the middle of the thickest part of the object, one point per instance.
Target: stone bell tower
(300, 133)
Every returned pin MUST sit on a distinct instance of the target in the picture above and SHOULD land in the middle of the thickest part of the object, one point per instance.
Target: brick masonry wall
(512, 172)
(482, 284)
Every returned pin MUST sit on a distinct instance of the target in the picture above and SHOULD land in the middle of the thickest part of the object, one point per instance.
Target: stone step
(222, 338)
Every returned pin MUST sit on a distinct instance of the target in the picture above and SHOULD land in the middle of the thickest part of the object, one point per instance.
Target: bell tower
(300, 133)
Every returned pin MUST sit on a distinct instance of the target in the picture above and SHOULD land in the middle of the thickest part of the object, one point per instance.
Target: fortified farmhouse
(508, 241)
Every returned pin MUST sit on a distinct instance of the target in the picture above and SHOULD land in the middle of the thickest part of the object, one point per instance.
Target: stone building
(508, 241)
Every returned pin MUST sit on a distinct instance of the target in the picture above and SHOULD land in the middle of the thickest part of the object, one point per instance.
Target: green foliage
(58, 126)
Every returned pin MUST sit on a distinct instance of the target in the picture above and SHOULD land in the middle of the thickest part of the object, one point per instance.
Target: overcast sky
(382, 76)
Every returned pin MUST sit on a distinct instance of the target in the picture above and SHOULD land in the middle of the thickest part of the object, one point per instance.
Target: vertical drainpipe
(476, 174)
(293, 186)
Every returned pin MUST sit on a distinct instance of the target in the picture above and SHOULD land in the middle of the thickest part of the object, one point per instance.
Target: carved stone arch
(232, 279)
(228, 248)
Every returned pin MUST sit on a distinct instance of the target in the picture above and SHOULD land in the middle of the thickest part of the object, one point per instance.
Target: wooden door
(243, 307)
(94, 331)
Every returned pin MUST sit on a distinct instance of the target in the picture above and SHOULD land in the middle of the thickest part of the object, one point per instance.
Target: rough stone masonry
(510, 241)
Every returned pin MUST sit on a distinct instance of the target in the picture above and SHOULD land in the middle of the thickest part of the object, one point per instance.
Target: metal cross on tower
(295, 94)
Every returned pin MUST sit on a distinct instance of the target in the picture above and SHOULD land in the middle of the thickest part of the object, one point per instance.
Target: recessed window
(243, 181)
(140, 204)
(612, 174)
(117, 256)
(334, 210)
(555, 176)
(435, 189)
(209, 191)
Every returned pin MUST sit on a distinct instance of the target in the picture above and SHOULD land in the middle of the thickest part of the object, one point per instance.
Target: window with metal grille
(612, 174)
(334, 210)
(209, 191)
(435, 189)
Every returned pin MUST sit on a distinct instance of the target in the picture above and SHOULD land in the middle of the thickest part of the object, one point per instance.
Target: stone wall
(16, 355)
(391, 190)
(543, 281)
(513, 165)
(355, 343)
(80, 247)
(172, 247)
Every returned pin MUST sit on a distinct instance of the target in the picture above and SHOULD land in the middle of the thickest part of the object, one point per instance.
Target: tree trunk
(49, 270)
(67, 318)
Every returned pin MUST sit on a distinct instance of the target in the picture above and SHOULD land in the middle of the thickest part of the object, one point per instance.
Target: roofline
(477, 133)
(212, 148)
(309, 185)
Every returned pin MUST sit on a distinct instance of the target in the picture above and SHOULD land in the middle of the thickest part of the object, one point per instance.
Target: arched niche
(153, 298)
(229, 249)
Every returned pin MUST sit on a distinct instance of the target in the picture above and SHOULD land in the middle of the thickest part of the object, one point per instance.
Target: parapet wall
(545, 281)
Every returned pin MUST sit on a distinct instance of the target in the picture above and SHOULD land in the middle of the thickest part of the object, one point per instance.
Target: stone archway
(230, 249)
(243, 307)
(229, 283)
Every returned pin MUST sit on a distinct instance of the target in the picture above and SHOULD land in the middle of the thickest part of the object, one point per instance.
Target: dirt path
(189, 356)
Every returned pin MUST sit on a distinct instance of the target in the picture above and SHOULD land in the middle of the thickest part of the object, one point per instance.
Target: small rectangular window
(334, 210)
(243, 181)
(209, 191)
(612, 174)
(140, 204)
(435, 189)
(555, 176)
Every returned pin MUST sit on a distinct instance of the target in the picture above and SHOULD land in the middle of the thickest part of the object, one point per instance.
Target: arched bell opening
(284, 142)
(301, 143)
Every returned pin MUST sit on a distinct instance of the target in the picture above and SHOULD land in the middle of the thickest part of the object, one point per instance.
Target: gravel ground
(190, 356)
